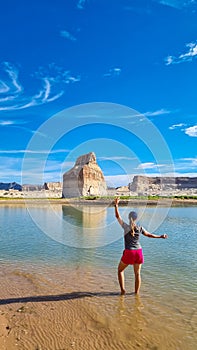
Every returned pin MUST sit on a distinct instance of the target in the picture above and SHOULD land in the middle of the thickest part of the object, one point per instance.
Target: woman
(132, 254)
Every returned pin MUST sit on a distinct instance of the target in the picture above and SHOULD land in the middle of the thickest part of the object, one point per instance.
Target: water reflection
(84, 226)
(85, 216)
(78, 227)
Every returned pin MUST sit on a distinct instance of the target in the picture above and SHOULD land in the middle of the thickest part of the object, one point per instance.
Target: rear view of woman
(132, 254)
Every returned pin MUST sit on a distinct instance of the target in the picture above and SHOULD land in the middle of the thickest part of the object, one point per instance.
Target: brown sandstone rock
(84, 179)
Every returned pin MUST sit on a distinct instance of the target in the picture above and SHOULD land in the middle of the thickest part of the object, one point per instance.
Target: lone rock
(84, 179)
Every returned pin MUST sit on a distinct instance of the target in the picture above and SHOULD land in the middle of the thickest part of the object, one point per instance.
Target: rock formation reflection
(84, 226)
(85, 216)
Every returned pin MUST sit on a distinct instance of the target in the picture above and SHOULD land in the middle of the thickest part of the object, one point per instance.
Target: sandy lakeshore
(63, 309)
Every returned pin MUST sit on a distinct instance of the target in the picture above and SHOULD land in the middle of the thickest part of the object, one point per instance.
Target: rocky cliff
(53, 186)
(32, 187)
(155, 185)
(84, 179)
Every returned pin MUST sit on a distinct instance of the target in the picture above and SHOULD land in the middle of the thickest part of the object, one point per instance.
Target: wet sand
(61, 308)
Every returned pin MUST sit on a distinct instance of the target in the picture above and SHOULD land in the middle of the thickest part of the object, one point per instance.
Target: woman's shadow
(57, 297)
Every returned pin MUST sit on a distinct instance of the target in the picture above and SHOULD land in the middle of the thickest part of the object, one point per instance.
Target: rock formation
(84, 179)
(53, 186)
(158, 185)
(32, 187)
(10, 186)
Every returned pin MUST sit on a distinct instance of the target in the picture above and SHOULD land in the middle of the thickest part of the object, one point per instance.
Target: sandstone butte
(84, 179)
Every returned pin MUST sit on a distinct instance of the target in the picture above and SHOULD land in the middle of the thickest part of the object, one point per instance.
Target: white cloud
(175, 126)
(156, 113)
(23, 151)
(186, 166)
(113, 72)
(81, 4)
(192, 161)
(149, 165)
(169, 60)
(18, 124)
(13, 74)
(116, 158)
(184, 57)
(3, 87)
(172, 3)
(51, 78)
(67, 35)
(177, 4)
(6, 122)
(191, 131)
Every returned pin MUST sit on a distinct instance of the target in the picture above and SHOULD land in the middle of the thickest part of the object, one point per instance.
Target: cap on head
(132, 215)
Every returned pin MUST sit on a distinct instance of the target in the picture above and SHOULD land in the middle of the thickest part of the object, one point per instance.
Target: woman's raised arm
(117, 214)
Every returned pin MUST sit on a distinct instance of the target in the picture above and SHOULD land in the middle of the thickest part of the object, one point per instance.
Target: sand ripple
(70, 312)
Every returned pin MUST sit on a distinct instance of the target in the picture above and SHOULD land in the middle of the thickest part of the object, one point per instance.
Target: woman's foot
(123, 292)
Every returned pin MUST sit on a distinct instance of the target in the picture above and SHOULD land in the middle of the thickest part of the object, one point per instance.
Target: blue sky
(75, 56)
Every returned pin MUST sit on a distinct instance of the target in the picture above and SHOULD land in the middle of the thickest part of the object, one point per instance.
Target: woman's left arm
(151, 235)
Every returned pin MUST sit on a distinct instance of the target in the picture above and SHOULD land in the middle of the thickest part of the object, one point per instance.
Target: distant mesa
(10, 186)
(32, 187)
(48, 186)
(53, 186)
(146, 185)
(84, 179)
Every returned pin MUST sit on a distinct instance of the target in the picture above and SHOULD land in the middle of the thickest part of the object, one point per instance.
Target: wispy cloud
(57, 75)
(23, 151)
(150, 165)
(51, 80)
(116, 158)
(177, 4)
(19, 124)
(67, 35)
(81, 4)
(182, 167)
(113, 72)
(156, 113)
(176, 126)
(7, 122)
(33, 173)
(186, 166)
(192, 161)
(188, 56)
(191, 131)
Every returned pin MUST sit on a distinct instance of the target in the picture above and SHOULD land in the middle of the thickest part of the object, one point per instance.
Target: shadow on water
(58, 297)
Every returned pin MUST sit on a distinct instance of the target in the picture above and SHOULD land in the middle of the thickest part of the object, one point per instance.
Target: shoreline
(70, 311)
(100, 201)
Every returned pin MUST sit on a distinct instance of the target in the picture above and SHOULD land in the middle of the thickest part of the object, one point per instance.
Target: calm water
(89, 238)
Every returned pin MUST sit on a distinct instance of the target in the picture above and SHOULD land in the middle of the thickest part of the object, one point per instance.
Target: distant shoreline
(100, 201)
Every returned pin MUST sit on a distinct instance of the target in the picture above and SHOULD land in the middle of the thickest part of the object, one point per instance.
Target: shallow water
(76, 250)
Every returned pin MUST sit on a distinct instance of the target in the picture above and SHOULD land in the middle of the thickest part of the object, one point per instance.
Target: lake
(80, 246)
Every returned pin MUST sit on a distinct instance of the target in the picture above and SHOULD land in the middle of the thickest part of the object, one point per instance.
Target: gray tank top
(130, 241)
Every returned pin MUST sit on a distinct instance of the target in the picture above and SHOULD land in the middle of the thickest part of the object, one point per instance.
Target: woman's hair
(132, 217)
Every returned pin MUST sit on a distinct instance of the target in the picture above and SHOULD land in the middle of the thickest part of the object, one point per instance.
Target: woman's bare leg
(137, 269)
(121, 268)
